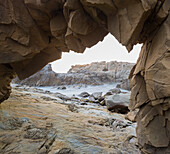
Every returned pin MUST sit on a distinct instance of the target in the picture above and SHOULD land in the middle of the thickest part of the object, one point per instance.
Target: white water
(77, 89)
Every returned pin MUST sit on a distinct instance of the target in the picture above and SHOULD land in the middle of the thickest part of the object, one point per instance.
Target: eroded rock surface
(33, 33)
(96, 73)
(31, 124)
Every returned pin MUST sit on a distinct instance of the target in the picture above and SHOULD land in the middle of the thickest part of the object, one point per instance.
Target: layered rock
(96, 73)
(33, 33)
(46, 76)
(34, 123)
(151, 88)
(117, 71)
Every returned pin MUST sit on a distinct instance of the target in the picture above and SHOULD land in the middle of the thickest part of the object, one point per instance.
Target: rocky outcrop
(46, 76)
(124, 84)
(96, 73)
(31, 123)
(116, 71)
(37, 31)
(150, 86)
(6, 76)
(118, 102)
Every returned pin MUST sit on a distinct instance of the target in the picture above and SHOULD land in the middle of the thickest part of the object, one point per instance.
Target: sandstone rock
(43, 77)
(116, 70)
(31, 37)
(6, 75)
(118, 102)
(131, 115)
(90, 74)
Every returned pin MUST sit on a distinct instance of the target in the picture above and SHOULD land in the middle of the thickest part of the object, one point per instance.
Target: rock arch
(35, 32)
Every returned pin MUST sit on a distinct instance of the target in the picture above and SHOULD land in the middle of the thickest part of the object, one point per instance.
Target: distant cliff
(96, 73)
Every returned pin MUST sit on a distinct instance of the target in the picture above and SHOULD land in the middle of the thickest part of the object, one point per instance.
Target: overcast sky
(107, 50)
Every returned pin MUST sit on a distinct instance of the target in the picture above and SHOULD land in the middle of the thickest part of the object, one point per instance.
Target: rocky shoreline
(37, 121)
(96, 73)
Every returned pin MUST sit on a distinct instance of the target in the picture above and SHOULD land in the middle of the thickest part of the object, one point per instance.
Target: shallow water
(77, 89)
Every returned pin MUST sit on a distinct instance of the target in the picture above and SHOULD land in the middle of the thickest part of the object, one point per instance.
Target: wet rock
(48, 98)
(102, 103)
(62, 88)
(61, 96)
(101, 98)
(47, 92)
(91, 99)
(118, 102)
(115, 91)
(83, 103)
(119, 108)
(108, 93)
(96, 95)
(84, 94)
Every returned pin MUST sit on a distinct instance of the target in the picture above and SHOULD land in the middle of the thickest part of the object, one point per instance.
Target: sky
(107, 50)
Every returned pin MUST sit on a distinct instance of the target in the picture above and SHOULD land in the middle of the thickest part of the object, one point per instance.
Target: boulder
(61, 96)
(115, 91)
(118, 102)
(124, 84)
(92, 99)
(84, 94)
(96, 95)
(62, 88)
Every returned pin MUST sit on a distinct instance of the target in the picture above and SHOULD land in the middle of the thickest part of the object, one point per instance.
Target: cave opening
(36, 32)
(107, 50)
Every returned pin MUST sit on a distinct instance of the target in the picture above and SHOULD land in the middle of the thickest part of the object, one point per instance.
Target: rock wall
(96, 73)
(33, 33)
(150, 86)
(118, 71)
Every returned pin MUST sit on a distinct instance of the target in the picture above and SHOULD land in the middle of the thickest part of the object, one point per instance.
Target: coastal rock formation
(34, 124)
(35, 32)
(118, 102)
(96, 73)
(46, 76)
(124, 84)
